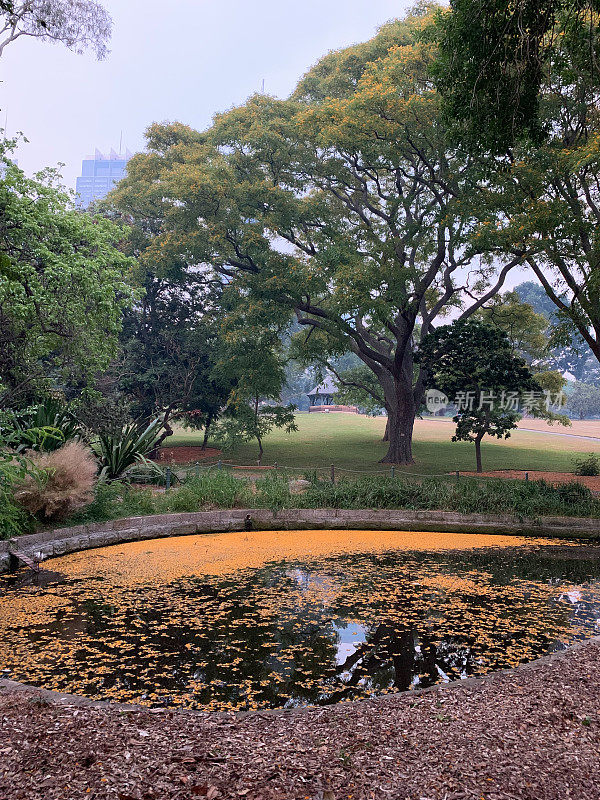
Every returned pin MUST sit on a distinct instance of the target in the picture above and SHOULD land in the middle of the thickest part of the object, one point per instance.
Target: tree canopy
(541, 197)
(343, 205)
(78, 24)
(475, 366)
(64, 284)
(494, 59)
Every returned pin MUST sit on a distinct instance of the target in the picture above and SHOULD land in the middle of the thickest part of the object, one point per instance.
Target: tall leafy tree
(542, 196)
(567, 351)
(344, 206)
(171, 341)
(526, 329)
(493, 62)
(64, 284)
(584, 400)
(78, 24)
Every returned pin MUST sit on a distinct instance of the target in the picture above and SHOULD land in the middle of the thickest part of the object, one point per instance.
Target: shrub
(590, 465)
(53, 423)
(65, 482)
(222, 489)
(120, 451)
(13, 469)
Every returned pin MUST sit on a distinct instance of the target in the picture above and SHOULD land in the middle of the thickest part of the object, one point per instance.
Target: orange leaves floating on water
(234, 621)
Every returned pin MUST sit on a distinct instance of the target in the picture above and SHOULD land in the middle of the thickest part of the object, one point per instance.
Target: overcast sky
(170, 60)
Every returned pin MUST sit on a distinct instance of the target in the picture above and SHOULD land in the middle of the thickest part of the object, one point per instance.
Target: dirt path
(592, 482)
(533, 734)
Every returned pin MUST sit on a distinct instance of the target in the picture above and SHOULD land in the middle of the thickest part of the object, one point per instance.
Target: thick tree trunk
(401, 420)
(400, 438)
(386, 435)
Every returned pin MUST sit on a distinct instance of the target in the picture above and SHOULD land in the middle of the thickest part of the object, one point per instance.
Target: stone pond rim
(61, 541)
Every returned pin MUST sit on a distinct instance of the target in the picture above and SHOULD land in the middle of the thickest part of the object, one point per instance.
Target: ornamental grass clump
(63, 484)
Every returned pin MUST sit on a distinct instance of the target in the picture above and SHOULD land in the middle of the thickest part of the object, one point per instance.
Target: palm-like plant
(51, 422)
(116, 453)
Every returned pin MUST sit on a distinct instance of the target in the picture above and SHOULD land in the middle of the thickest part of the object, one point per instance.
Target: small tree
(253, 419)
(475, 366)
(252, 360)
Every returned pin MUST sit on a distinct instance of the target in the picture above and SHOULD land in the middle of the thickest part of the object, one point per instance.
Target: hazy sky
(170, 60)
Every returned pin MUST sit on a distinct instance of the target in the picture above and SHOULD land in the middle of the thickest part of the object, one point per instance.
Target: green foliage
(567, 351)
(116, 453)
(540, 200)
(15, 468)
(467, 495)
(489, 68)
(494, 59)
(214, 488)
(343, 205)
(51, 415)
(475, 361)
(358, 386)
(222, 489)
(255, 420)
(589, 465)
(584, 400)
(526, 329)
(63, 286)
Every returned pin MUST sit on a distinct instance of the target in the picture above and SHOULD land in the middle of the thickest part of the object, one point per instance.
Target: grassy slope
(354, 442)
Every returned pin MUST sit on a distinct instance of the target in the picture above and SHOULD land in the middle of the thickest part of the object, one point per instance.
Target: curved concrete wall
(68, 540)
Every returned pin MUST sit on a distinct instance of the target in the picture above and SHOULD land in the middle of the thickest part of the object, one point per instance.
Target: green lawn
(353, 442)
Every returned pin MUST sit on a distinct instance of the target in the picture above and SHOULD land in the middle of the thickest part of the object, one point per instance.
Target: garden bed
(186, 455)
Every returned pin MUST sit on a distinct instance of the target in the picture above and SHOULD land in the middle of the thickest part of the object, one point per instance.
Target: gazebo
(322, 398)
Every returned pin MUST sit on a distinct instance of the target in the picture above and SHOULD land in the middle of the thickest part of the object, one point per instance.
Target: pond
(283, 619)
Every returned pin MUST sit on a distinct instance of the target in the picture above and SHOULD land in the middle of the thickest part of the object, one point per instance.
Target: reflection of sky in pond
(349, 636)
(292, 632)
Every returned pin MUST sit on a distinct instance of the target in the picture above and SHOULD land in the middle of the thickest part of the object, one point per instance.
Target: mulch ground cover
(533, 734)
(592, 483)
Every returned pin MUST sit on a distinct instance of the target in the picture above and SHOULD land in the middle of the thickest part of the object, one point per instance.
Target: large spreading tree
(344, 206)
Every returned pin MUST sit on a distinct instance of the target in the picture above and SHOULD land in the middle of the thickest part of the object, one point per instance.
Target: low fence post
(526, 476)
(168, 479)
(457, 474)
(333, 474)
(197, 469)
(219, 465)
(393, 472)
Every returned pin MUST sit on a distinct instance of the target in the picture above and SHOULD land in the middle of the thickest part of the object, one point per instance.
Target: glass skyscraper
(99, 173)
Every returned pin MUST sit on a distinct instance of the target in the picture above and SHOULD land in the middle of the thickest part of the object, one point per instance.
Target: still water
(279, 619)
